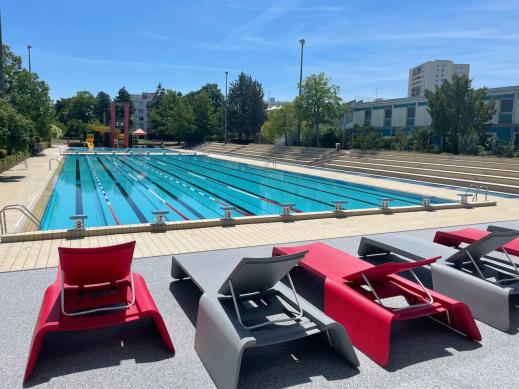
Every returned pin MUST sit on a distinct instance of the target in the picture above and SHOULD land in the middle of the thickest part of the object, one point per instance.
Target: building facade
(141, 109)
(431, 74)
(408, 113)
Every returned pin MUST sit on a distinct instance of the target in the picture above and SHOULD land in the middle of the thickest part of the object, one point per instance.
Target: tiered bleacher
(492, 173)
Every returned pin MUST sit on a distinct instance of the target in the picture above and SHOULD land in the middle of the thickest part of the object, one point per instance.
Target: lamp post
(225, 114)
(29, 47)
(1, 61)
(302, 42)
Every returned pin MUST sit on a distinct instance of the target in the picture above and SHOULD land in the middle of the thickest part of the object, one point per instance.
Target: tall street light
(1, 61)
(302, 41)
(225, 115)
(29, 47)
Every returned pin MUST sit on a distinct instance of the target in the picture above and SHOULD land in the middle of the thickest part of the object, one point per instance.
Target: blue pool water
(126, 189)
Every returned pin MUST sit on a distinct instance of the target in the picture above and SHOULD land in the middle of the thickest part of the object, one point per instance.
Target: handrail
(54, 159)
(18, 207)
(475, 188)
(270, 162)
(484, 187)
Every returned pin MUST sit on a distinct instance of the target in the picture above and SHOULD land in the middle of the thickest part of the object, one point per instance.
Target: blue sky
(366, 47)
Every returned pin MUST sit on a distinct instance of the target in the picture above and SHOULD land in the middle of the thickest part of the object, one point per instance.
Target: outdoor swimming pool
(126, 189)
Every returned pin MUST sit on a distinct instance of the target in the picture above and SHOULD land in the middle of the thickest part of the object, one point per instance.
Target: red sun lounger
(470, 235)
(94, 287)
(354, 291)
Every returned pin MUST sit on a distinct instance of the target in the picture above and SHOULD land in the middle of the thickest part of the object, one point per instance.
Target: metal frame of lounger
(298, 315)
(222, 336)
(102, 309)
(488, 300)
(430, 302)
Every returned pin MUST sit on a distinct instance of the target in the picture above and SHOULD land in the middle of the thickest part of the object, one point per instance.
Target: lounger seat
(470, 235)
(463, 274)
(94, 288)
(245, 305)
(355, 290)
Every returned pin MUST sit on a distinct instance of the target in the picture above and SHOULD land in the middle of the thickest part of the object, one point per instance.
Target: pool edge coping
(206, 223)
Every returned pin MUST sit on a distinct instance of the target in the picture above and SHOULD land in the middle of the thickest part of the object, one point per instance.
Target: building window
(505, 111)
(144, 97)
(388, 113)
(411, 112)
(367, 117)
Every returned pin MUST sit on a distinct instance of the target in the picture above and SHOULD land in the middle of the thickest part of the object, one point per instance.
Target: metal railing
(17, 207)
(54, 159)
(270, 162)
(477, 190)
(485, 188)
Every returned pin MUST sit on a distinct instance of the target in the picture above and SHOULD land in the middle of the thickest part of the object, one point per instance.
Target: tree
(16, 130)
(28, 95)
(103, 107)
(281, 122)
(123, 96)
(458, 110)
(172, 117)
(216, 98)
(246, 108)
(207, 110)
(77, 112)
(318, 103)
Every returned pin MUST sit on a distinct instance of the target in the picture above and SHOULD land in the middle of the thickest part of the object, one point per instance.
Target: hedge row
(9, 161)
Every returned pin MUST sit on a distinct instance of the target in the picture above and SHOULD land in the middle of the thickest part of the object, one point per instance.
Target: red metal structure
(93, 280)
(354, 291)
(114, 126)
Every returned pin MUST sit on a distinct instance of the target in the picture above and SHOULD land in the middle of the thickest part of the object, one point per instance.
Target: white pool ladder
(17, 207)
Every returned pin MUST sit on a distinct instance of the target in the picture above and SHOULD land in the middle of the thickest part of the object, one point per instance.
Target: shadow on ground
(67, 353)
(11, 178)
(295, 361)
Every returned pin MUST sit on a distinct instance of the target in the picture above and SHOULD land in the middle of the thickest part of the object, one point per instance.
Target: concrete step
(492, 186)
(435, 172)
(429, 165)
(496, 162)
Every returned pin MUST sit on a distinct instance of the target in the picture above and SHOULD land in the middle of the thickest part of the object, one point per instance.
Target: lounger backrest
(484, 246)
(258, 274)
(88, 266)
(498, 228)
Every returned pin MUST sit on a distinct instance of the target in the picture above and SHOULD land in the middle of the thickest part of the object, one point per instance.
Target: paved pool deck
(424, 354)
(22, 185)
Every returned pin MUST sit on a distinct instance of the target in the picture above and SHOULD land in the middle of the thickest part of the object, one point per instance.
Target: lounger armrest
(488, 302)
(386, 269)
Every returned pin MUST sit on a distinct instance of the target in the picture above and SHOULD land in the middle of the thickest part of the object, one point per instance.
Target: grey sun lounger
(464, 274)
(245, 305)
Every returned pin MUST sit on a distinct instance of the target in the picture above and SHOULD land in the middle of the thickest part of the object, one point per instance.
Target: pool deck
(43, 253)
(424, 354)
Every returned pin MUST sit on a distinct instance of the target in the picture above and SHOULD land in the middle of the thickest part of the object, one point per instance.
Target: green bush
(506, 150)
(3, 153)
(480, 150)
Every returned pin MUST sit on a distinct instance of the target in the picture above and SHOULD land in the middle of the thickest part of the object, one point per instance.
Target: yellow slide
(90, 142)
